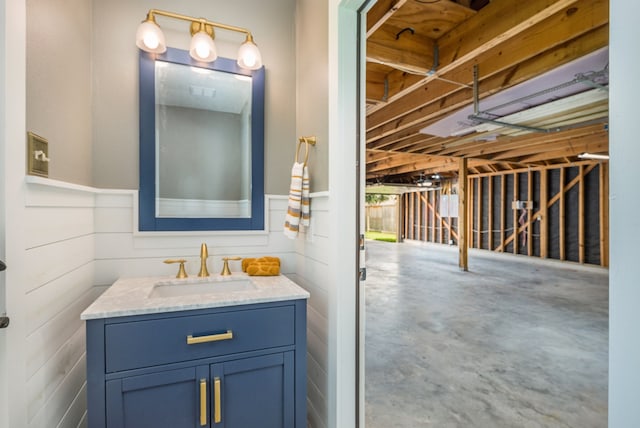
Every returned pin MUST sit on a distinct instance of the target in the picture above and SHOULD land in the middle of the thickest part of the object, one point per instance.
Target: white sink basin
(184, 288)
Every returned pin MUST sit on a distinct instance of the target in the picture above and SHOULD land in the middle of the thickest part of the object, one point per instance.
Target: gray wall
(82, 91)
(59, 84)
(196, 159)
(115, 79)
(312, 86)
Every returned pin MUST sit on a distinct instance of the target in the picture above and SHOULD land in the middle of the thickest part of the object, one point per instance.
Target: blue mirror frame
(147, 220)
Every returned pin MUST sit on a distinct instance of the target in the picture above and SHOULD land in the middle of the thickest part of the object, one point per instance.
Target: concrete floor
(514, 342)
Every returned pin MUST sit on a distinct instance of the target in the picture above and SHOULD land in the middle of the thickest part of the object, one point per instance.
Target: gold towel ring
(306, 152)
(307, 141)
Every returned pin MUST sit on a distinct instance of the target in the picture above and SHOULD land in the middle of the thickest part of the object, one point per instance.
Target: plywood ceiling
(420, 70)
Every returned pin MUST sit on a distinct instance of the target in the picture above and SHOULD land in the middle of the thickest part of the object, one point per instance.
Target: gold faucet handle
(181, 272)
(225, 267)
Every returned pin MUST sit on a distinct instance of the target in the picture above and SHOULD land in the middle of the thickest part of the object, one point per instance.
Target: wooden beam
(472, 187)
(381, 12)
(544, 218)
(528, 152)
(604, 213)
(408, 51)
(477, 149)
(587, 163)
(479, 214)
(439, 97)
(405, 206)
(530, 220)
(399, 219)
(496, 23)
(503, 195)
(490, 214)
(463, 237)
(433, 216)
(419, 214)
(499, 21)
(581, 215)
(412, 221)
(540, 49)
(396, 81)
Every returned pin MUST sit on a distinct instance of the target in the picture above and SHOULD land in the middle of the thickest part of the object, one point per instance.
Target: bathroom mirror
(201, 144)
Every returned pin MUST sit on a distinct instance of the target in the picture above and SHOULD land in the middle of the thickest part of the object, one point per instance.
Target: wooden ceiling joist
(510, 43)
(513, 63)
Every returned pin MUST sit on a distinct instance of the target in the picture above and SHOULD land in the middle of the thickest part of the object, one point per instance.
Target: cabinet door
(254, 392)
(171, 399)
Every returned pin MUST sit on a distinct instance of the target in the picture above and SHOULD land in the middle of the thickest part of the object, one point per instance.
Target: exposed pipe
(436, 59)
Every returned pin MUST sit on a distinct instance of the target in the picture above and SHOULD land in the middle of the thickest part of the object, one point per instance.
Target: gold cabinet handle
(203, 402)
(211, 338)
(217, 417)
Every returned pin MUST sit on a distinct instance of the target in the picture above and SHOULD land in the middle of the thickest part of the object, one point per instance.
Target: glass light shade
(150, 37)
(202, 47)
(249, 55)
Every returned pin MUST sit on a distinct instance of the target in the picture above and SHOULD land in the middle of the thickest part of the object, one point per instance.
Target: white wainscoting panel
(59, 247)
(79, 240)
(312, 249)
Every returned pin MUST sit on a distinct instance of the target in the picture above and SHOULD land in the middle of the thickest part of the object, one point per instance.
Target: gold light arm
(217, 417)
(152, 12)
(203, 402)
(211, 338)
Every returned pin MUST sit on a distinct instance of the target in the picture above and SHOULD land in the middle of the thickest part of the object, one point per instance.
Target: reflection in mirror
(201, 144)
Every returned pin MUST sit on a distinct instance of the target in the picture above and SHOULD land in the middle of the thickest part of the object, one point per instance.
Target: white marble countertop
(131, 296)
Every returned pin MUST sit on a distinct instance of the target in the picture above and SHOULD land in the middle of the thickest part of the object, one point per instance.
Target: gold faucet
(204, 253)
(181, 272)
(225, 268)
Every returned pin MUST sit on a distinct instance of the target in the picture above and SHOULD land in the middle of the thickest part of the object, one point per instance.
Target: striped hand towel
(292, 219)
(306, 201)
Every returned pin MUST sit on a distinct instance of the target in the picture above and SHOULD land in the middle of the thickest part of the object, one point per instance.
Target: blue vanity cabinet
(142, 372)
(142, 401)
(254, 392)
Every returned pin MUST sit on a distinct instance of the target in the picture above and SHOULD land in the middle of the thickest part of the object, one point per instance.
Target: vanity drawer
(145, 343)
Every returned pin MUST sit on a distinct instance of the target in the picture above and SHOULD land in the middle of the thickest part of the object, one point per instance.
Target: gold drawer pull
(212, 338)
(216, 401)
(203, 402)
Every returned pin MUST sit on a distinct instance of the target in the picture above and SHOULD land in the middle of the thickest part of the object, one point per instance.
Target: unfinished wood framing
(537, 192)
(604, 214)
(479, 214)
(503, 194)
(544, 223)
(490, 214)
(463, 242)
(560, 208)
(411, 222)
(529, 214)
(432, 195)
(581, 215)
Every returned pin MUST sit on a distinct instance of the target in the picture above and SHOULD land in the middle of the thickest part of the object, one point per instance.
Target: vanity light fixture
(150, 38)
